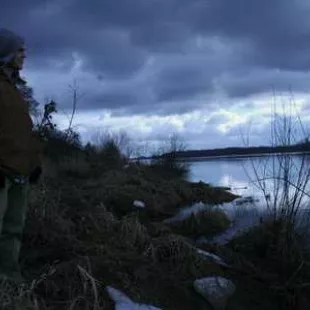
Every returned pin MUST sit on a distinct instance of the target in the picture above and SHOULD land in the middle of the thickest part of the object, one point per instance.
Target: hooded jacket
(20, 149)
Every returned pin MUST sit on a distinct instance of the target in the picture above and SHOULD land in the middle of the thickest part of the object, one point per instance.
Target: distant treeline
(234, 151)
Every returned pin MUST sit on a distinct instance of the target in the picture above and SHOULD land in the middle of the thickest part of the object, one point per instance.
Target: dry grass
(75, 245)
(159, 270)
(286, 265)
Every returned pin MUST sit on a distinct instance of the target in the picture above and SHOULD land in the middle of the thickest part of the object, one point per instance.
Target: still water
(241, 173)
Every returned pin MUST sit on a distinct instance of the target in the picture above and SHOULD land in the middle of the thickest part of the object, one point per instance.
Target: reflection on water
(241, 174)
(222, 172)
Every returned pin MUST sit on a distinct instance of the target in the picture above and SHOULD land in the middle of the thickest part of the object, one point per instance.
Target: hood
(10, 42)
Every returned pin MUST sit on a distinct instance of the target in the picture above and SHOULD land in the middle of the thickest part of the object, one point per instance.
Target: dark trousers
(13, 210)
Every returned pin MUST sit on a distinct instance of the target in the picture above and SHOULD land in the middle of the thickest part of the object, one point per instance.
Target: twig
(75, 99)
(295, 273)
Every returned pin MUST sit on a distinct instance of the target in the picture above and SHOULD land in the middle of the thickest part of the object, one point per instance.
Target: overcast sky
(209, 70)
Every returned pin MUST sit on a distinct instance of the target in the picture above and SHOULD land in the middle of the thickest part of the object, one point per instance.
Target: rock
(139, 204)
(216, 290)
(123, 302)
(213, 257)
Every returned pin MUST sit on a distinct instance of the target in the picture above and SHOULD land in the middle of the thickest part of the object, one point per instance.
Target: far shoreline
(216, 157)
(233, 156)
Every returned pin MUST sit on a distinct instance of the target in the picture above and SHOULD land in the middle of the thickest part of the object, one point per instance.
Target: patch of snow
(123, 302)
(139, 204)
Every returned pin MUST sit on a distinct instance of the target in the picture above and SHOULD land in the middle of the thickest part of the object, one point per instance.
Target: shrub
(170, 168)
(206, 223)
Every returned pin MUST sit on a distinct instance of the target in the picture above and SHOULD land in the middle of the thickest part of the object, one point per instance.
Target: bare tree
(287, 179)
(177, 143)
(76, 97)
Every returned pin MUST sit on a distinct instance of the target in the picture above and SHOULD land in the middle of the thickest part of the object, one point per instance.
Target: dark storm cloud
(53, 34)
(115, 39)
(114, 99)
(181, 82)
(278, 31)
(113, 54)
(265, 81)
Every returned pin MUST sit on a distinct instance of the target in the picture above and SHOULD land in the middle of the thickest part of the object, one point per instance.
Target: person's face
(18, 61)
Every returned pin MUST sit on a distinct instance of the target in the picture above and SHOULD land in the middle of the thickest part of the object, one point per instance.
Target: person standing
(20, 154)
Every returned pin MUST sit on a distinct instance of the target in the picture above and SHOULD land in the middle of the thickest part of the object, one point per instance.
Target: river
(238, 173)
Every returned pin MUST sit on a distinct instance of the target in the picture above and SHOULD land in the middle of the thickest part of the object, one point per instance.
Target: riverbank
(90, 228)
